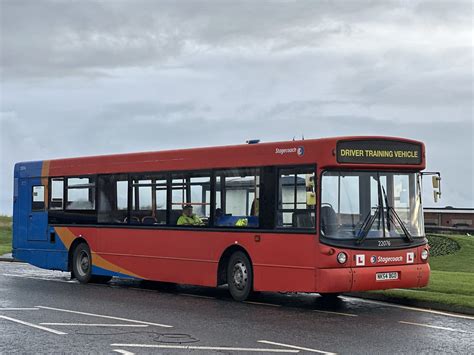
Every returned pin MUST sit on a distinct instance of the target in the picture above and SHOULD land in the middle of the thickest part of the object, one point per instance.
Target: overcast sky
(97, 77)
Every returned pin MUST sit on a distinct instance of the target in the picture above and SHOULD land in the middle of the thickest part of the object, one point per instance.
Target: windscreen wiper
(379, 187)
(368, 222)
(394, 217)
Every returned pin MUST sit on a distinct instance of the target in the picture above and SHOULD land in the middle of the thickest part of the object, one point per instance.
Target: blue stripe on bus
(104, 272)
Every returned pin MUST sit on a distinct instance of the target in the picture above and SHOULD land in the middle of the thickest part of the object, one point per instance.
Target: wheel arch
(224, 260)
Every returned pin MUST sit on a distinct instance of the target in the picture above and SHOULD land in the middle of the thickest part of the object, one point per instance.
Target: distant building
(449, 217)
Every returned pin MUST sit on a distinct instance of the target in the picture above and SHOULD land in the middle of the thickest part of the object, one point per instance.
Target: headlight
(424, 254)
(341, 258)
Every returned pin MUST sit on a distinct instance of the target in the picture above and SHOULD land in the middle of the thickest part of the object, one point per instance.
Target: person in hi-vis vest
(188, 218)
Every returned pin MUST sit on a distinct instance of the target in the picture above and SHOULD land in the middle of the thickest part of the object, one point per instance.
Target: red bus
(326, 215)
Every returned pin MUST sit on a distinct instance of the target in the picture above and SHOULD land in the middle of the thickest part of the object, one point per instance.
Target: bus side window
(80, 193)
(192, 189)
(113, 199)
(38, 198)
(57, 194)
(296, 198)
(237, 198)
(149, 199)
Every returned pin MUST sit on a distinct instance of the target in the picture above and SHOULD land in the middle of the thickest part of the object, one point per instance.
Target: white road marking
(107, 317)
(263, 304)
(217, 348)
(98, 325)
(124, 352)
(434, 327)
(337, 313)
(295, 347)
(197, 296)
(33, 325)
(19, 309)
(447, 314)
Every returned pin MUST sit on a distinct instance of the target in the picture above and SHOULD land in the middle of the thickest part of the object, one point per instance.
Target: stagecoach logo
(389, 259)
(299, 151)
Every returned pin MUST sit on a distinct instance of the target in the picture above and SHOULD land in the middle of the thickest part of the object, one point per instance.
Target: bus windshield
(371, 205)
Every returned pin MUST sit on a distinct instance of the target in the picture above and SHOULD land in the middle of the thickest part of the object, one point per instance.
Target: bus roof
(358, 152)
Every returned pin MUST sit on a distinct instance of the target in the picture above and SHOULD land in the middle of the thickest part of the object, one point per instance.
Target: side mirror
(436, 182)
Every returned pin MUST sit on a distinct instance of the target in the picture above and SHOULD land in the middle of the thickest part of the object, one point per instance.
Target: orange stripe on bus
(99, 261)
(67, 237)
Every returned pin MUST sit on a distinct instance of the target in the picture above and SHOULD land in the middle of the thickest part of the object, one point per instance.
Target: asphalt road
(45, 312)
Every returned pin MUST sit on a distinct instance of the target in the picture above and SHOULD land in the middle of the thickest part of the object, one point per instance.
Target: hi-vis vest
(242, 222)
(188, 221)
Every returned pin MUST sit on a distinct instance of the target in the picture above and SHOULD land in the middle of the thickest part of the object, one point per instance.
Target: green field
(452, 275)
(5, 235)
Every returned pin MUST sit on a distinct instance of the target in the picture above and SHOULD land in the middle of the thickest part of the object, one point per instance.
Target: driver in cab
(188, 218)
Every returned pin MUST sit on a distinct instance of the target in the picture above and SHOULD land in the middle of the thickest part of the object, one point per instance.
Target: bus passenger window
(80, 193)
(191, 196)
(113, 199)
(38, 198)
(237, 198)
(296, 198)
(149, 199)
(57, 194)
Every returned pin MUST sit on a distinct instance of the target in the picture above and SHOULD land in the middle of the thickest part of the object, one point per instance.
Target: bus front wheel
(239, 276)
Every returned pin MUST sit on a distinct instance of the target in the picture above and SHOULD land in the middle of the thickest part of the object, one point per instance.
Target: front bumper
(363, 278)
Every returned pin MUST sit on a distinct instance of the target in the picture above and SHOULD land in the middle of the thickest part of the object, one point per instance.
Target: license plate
(380, 276)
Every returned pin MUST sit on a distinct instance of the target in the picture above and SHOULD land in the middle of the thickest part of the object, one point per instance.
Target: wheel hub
(240, 275)
(83, 263)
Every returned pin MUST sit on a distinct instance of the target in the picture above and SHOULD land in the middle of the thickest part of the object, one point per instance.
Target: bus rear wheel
(82, 266)
(239, 276)
(82, 263)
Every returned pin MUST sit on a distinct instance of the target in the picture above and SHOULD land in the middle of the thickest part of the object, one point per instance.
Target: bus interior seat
(175, 214)
(134, 220)
(328, 220)
(149, 220)
(303, 219)
(161, 216)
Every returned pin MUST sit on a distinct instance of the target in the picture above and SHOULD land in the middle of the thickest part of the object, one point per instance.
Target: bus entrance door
(35, 207)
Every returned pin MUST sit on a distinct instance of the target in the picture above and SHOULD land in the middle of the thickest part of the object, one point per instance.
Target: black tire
(240, 276)
(82, 263)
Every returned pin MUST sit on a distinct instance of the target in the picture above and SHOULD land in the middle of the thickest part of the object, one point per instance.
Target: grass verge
(5, 240)
(451, 282)
(5, 235)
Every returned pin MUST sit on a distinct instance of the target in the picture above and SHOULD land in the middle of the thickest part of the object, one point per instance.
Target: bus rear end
(371, 217)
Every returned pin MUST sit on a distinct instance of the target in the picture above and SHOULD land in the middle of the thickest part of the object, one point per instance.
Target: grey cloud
(102, 77)
(58, 38)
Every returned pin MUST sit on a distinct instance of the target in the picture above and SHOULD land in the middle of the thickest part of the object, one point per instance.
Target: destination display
(378, 152)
